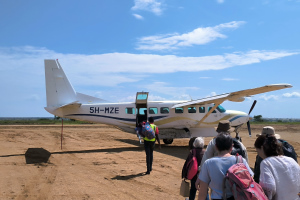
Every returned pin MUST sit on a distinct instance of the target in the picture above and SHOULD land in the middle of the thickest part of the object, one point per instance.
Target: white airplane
(175, 119)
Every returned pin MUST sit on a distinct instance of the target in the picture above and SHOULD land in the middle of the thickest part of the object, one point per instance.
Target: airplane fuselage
(125, 116)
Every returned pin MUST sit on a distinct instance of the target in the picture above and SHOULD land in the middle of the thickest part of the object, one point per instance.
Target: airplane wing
(238, 96)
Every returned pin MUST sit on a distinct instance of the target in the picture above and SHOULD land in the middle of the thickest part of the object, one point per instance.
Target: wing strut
(208, 113)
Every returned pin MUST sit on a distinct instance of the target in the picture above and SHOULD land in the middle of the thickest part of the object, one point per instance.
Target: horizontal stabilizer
(86, 99)
(72, 104)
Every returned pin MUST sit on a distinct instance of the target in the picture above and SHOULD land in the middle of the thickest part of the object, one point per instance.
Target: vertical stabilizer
(59, 90)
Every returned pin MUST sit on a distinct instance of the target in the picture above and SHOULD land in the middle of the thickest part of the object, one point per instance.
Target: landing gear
(168, 141)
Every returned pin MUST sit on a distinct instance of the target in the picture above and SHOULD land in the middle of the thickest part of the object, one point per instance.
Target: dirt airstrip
(98, 162)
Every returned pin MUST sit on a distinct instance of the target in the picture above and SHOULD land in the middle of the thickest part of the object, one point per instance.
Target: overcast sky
(173, 49)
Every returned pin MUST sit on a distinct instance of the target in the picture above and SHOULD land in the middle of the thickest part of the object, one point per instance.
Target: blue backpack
(148, 131)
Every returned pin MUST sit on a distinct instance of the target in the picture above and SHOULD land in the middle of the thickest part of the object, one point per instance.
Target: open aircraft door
(141, 106)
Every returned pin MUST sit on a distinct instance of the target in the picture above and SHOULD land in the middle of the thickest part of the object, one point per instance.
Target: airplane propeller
(248, 123)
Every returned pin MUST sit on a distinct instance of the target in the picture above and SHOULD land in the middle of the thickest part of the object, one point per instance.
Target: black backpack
(237, 148)
(288, 150)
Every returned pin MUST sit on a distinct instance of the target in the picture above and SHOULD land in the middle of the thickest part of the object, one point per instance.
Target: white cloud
(205, 77)
(211, 94)
(199, 36)
(138, 16)
(163, 88)
(268, 97)
(156, 98)
(230, 79)
(292, 95)
(112, 69)
(153, 6)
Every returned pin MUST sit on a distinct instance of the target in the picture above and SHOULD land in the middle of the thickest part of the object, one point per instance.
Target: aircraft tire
(168, 141)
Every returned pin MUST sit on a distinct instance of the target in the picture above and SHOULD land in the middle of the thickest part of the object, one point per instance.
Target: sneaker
(147, 172)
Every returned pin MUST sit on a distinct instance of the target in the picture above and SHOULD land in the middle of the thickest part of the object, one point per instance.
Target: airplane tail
(59, 91)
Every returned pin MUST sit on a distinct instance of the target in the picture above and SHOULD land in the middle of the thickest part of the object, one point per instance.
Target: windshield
(221, 109)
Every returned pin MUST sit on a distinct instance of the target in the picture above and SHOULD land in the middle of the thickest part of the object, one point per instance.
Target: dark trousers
(149, 147)
(193, 189)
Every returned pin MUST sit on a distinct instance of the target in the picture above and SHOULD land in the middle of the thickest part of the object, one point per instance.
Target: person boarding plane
(175, 119)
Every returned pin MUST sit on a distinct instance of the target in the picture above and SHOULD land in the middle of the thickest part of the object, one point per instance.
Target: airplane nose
(238, 117)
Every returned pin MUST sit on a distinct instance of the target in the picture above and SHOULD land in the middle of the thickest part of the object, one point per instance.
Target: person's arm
(158, 140)
(202, 190)
(257, 168)
(209, 153)
(157, 137)
(245, 150)
(267, 180)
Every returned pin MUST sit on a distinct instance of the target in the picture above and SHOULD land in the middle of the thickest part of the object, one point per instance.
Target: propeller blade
(249, 129)
(252, 107)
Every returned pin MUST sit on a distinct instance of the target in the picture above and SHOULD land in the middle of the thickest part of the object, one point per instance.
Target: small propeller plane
(175, 119)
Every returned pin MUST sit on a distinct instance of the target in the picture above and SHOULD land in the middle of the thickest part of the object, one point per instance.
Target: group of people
(276, 168)
(277, 173)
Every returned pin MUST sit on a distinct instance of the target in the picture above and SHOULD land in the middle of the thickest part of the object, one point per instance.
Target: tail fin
(60, 93)
(59, 90)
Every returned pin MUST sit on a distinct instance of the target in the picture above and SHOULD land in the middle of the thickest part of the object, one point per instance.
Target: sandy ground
(98, 162)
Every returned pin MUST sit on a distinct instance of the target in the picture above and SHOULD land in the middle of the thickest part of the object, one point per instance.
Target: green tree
(258, 118)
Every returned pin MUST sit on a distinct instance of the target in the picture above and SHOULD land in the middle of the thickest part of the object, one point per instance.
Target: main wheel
(168, 141)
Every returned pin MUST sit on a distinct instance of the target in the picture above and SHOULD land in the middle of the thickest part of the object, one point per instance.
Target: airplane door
(141, 106)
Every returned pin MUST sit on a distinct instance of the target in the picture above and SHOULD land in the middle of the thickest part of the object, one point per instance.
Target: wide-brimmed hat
(270, 131)
(224, 126)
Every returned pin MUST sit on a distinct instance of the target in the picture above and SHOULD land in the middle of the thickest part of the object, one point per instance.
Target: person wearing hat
(224, 127)
(288, 150)
(279, 175)
(270, 131)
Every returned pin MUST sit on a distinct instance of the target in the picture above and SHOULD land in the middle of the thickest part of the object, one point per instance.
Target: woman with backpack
(196, 145)
(279, 174)
(214, 170)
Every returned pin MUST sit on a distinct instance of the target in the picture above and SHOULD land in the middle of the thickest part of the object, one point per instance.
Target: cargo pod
(141, 106)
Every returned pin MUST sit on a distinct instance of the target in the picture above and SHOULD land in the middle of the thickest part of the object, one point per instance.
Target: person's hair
(224, 142)
(150, 119)
(270, 145)
(199, 142)
(191, 142)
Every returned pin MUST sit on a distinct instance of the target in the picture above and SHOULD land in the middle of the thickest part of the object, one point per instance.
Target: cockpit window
(209, 108)
(221, 109)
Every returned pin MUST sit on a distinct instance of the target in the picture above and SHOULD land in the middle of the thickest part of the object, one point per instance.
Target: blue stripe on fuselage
(116, 118)
(236, 117)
